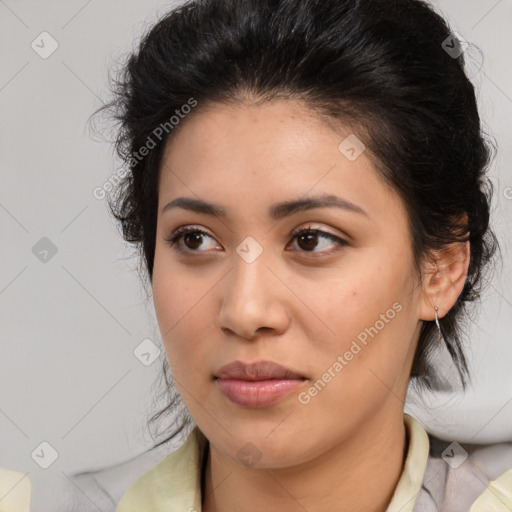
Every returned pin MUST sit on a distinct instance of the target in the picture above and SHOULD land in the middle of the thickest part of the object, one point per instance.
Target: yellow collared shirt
(173, 485)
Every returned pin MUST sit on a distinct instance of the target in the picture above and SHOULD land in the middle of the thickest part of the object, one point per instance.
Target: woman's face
(339, 308)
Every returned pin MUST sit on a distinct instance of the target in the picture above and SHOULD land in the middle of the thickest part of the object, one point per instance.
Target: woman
(306, 182)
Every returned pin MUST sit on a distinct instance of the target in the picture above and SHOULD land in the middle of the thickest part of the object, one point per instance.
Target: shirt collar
(174, 484)
(411, 478)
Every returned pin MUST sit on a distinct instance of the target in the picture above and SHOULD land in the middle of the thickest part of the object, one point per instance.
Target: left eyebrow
(281, 210)
(276, 211)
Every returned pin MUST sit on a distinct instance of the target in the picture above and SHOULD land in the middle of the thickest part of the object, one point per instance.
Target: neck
(359, 474)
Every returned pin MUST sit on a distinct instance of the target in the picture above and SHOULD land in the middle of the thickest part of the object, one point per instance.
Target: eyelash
(180, 232)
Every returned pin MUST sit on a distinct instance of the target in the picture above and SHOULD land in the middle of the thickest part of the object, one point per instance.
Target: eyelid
(321, 230)
(340, 241)
(178, 233)
(183, 230)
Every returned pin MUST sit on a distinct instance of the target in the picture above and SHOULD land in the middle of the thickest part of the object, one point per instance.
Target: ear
(443, 280)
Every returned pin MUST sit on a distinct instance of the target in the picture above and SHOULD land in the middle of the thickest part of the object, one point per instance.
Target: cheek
(181, 304)
(356, 300)
(175, 292)
(370, 318)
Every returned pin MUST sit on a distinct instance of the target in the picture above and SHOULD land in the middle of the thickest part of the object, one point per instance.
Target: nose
(254, 300)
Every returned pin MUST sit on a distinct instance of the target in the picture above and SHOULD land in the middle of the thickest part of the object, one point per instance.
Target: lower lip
(257, 393)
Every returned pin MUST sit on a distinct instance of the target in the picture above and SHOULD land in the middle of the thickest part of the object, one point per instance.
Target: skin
(299, 304)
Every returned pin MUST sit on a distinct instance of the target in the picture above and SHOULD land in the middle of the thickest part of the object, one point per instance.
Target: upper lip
(259, 370)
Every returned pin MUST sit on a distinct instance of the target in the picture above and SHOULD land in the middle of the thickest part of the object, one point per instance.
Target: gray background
(69, 326)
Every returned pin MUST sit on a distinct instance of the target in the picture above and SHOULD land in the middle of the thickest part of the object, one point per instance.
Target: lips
(257, 385)
(260, 370)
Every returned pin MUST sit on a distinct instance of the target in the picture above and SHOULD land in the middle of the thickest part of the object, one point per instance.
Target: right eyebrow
(276, 211)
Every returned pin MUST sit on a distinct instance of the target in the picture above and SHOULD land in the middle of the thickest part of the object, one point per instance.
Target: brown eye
(309, 239)
(192, 238)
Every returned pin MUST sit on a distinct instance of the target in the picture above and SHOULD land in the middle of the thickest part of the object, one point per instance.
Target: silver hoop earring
(437, 320)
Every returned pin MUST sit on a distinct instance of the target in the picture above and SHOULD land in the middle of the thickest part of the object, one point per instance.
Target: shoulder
(173, 484)
(462, 477)
(93, 489)
(15, 491)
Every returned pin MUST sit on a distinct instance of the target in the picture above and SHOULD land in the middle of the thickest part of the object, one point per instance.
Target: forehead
(244, 153)
(266, 130)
